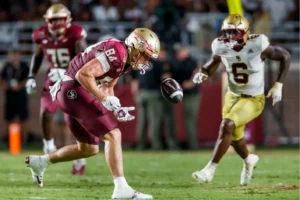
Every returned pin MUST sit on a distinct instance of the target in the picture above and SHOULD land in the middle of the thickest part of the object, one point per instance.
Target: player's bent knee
(113, 135)
(88, 149)
(227, 127)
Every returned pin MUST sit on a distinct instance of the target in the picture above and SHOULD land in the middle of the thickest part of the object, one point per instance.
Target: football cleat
(248, 169)
(204, 176)
(131, 195)
(78, 167)
(37, 170)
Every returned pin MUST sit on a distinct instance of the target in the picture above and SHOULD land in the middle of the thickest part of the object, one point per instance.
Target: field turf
(165, 175)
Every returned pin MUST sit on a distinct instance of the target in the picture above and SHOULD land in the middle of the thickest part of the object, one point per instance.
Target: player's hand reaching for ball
(276, 93)
(199, 77)
(111, 103)
(122, 114)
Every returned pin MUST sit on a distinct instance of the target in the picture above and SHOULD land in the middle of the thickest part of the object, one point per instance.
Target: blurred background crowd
(186, 29)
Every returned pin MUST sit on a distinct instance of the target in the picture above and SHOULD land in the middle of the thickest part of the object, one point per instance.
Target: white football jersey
(245, 68)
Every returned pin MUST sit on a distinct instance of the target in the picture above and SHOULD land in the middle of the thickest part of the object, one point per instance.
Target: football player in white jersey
(243, 54)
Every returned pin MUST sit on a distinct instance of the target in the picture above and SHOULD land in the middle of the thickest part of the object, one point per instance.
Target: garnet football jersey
(59, 52)
(112, 54)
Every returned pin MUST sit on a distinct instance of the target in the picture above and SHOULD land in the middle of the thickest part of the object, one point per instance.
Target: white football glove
(56, 74)
(199, 77)
(31, 86)
(111, 103)
(123, 115)
(276, 93)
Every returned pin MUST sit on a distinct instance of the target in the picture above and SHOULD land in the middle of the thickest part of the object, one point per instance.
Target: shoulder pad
(39, 34)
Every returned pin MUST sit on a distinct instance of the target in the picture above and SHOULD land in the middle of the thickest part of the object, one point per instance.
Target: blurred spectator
(168, 21)
(105, 11)
(251, 6)
(261, 22)
(133, 12)
(279, 10)
(153, 110)
(13, 80)
(184, 68)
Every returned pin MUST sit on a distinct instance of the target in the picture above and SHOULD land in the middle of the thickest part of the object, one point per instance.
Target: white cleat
(204, 176)
(37, 170)
(49, 149)
(131, 195)
(248, 169)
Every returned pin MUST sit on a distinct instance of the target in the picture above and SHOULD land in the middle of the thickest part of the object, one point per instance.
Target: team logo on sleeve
(72, 94)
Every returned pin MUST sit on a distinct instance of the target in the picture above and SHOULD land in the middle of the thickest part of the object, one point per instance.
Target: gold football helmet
(143, 44)
(58, 18)
(235, 30)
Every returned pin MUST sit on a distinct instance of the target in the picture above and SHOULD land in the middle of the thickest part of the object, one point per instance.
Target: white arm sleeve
(214, 46)
(103, 60)
(264, 42)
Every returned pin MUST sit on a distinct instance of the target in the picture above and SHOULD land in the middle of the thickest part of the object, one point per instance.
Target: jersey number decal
(239, 77)
(60, 57)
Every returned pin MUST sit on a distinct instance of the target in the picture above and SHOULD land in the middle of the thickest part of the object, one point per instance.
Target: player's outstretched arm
(284, 57)
(86, 77)
(36, 61)
(35, 65)
(279, 54)
(208, 69)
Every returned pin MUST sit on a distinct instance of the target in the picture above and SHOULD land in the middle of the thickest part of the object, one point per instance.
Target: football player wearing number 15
(59, 42)
(243, 56)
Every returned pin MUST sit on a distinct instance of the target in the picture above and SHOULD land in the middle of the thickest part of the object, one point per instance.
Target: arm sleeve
(214, 46)
(100, 56)
(264, 42)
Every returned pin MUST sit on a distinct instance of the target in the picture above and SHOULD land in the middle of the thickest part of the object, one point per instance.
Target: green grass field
(165, 175)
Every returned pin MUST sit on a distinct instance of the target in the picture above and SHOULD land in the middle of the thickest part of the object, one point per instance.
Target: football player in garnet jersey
(59, 42)
(86, 96)
(243, 55)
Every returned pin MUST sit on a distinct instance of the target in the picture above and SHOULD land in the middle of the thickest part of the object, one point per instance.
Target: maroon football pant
(85, 115)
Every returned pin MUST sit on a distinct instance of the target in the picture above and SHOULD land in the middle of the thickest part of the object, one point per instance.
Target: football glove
(123, 115)
(56, 74)
(31, 85)
(111, 103)
(276, 93)
(199, 77)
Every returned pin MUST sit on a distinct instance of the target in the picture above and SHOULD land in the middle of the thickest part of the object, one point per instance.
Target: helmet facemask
(140, 61)
(58, 18)
(143, 45)
(235, 31)
(233, 37)
(57, 26)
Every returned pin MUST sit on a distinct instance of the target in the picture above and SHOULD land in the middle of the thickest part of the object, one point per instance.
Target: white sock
(246, 159)
(45, 161)
(212, 166)
(120, 182)
(79, 163)
(48, 142)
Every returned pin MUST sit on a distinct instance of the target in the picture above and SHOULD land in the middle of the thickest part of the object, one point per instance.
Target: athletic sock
(120, 182)
(48, 142)
(211, 165)
(45, 161)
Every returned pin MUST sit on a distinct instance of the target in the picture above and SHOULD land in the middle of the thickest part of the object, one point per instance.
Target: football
(171, 90)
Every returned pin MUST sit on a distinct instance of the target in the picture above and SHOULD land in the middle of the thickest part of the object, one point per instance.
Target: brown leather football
(171, 90)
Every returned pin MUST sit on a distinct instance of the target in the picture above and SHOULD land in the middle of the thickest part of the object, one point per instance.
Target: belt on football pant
(246, 95)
